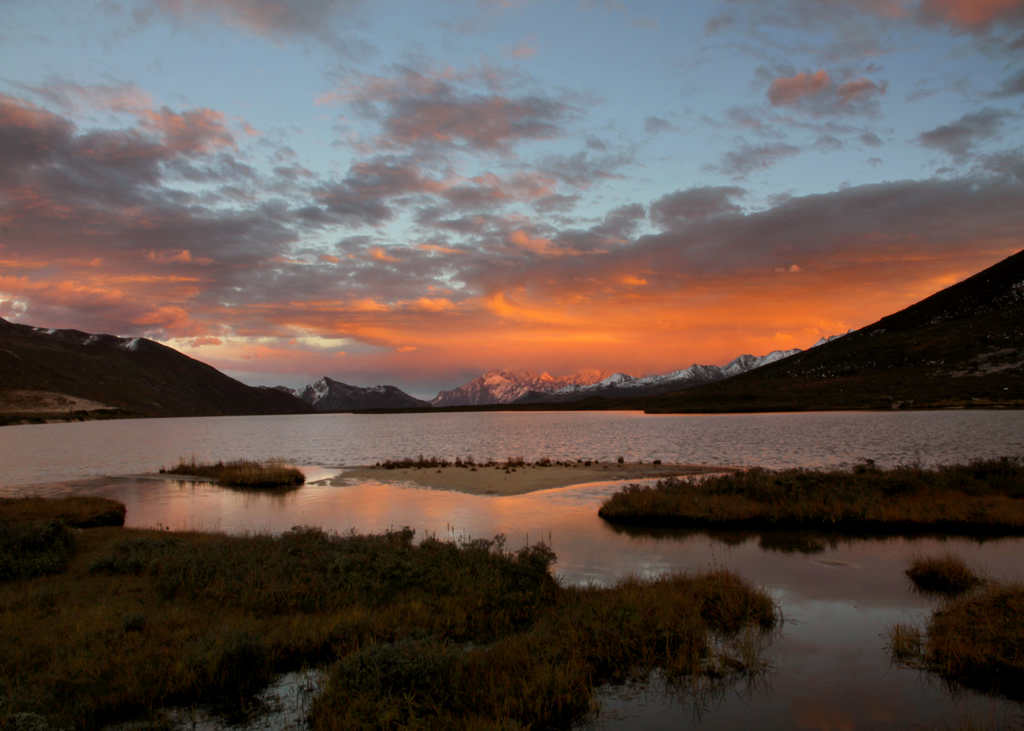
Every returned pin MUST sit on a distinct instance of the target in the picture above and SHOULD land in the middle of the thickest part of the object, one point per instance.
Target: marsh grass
(546, 676)
(34, 548)
(984, 496)
(35, 539)
(274, 473)
(947, 575)
(142, 620)
(975, 640)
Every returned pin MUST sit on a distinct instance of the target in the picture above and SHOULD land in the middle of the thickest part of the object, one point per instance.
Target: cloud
(69, 96)
(972, 15)
(817, 95)
(449, 109)
(740, 162)
(1011, 86)
(654, 125)
(582, 169)
(279, 19)
(674, 209)
(958, 138)
(788, 90)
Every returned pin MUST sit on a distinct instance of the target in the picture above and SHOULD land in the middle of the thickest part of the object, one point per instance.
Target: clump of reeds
(975, 640)
(942, 575)
(546, 676)
(982, 496)
(242, 473)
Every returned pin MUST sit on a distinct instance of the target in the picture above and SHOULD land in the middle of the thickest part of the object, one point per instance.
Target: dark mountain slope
(134, 376)
(963, 346)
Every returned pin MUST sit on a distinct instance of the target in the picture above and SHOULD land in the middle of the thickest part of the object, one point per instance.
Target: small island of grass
(947, 575)
(428, 634)
(243, 473)
(982, 497)
(975, 640)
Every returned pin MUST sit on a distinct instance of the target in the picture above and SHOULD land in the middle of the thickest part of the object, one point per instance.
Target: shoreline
(500, 480)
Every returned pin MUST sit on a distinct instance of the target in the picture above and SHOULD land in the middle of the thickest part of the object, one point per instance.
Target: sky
(416, 192)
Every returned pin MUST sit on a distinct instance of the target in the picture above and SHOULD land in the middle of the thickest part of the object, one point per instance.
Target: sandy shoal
(496, 480)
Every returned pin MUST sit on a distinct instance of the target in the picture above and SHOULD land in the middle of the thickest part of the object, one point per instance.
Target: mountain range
(963, 346)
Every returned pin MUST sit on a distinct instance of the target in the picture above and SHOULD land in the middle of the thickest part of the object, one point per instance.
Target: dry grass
(242, 473)
(545, 676)
(984, 496)
(942, 575)
(976, 640)
(139, 620)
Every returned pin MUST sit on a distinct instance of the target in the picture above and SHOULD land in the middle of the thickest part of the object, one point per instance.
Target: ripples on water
(47, 452)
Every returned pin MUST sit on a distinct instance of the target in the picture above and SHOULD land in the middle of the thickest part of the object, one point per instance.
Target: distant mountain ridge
(327, 394)
(507, 386)
(524, 387)
(126, 376)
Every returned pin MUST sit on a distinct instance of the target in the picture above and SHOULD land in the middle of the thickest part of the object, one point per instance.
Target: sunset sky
(415, 192)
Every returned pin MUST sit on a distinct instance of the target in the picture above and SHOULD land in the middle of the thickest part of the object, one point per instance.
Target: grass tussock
(242, 473)
(975, 640)
(984, 496)
(143, 619)
(942, 575)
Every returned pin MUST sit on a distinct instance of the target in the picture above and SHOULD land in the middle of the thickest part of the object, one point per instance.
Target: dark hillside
(133, 376)
(963, 346)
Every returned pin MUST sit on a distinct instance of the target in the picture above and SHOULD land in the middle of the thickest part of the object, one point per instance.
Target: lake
(47, 452)
(830, 667)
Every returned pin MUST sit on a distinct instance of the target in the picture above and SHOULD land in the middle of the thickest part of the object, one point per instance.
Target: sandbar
(499, 480)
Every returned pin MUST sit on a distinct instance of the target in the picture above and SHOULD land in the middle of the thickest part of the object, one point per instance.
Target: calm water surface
(46, 452)
(830, 667)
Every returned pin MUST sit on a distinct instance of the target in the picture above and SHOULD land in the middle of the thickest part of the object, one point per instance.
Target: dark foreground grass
(140, 620)
(947, 575)
(982, 497)
(35, 538)
(242, 473)
(975, 640)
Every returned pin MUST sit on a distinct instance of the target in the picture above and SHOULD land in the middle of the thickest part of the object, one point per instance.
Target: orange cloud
(971, 14)
(789, 89)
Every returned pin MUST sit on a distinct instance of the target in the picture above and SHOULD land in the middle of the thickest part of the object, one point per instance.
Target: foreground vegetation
(947, 575)
(241, 473)
(984, 496)
(35, 535)
(975, 640)
(429, 634)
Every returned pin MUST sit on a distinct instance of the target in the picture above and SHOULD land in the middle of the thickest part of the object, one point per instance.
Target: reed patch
(983, 496)
(273, 473)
